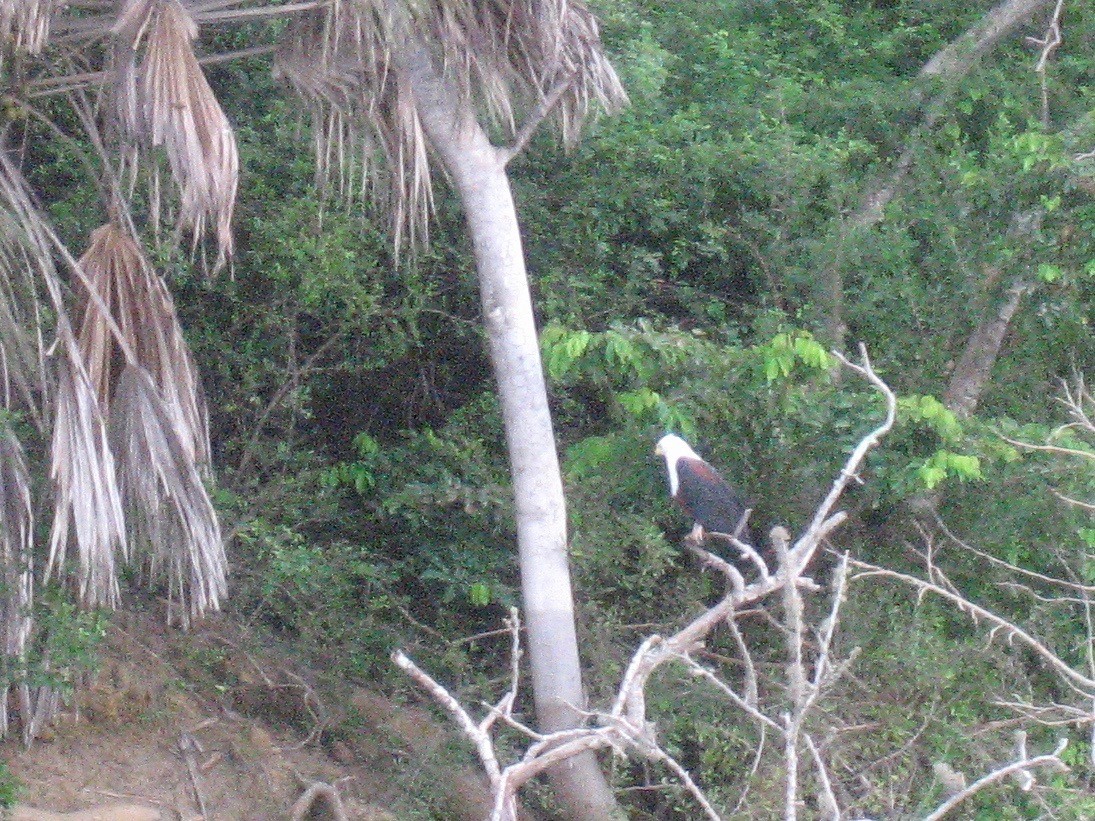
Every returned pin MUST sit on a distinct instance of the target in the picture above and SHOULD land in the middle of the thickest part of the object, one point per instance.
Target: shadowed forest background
(785, 179)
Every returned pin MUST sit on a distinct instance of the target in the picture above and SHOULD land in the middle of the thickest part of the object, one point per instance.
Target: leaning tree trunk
(936, 82)
(478, 171)
(972, 373)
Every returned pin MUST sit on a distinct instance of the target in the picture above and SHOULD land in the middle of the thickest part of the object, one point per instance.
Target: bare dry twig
(1078, 681)
(1022, 766)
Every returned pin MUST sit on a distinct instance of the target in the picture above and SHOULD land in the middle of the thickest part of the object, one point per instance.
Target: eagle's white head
(673, 448)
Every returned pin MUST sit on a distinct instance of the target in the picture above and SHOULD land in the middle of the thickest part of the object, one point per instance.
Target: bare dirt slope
(205, 726)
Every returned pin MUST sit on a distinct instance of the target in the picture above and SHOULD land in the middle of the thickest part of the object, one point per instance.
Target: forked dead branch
(812, 666)
(625, 727)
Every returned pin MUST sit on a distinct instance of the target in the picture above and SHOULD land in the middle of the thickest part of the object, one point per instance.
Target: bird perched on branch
(705, 496)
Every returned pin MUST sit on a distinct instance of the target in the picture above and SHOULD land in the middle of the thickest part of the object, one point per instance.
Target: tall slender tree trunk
(478, 172)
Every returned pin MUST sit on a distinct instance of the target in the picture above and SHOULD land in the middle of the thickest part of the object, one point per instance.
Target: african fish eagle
(702, 492)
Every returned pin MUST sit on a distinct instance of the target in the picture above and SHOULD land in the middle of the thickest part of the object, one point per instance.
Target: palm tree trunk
(477, 169)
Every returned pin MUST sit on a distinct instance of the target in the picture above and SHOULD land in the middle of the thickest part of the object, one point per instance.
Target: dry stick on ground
(318, 794)
(625, 727)
(189, 749)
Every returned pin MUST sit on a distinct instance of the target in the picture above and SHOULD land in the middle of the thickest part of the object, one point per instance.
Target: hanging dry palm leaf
(25, 23)
(16, 539)
(166, 101)
(168, 509)
(368, 139)
(87, 505)
(21, 377)
(145, 376)
(128, 324)
(22, 354)
(141, 328)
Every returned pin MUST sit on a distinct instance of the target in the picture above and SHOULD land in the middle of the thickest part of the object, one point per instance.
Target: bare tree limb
(959, 56)
(625, 727)
(296, 377)
(1084, 684)
(442, 696)
(536, 118)
(1079, 588)
(796, 683)
(829, 805)
(1022, 766)
(974, 368)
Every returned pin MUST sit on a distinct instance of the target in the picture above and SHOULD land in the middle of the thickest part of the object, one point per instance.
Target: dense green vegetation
(684, 260)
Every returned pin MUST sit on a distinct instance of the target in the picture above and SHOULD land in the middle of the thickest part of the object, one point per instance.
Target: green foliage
(442, 510)
(681, 258)
(933, 413)
(66, 641)
(10, 787)
(943, 464)
(790, 349)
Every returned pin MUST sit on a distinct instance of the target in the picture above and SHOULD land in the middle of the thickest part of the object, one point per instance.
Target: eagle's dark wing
(709, 499)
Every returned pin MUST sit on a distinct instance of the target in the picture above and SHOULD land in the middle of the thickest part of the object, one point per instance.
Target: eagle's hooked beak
(658, 450)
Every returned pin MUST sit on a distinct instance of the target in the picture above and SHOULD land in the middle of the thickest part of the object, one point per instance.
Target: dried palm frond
(510, 53)
(16, 540)
(25, 23)
(368, 140)
(506, 57)
(140, 365)
(87, 504)
(134, 322)
(168, 509)
(166, 100)
(128, 325)
(22, 352)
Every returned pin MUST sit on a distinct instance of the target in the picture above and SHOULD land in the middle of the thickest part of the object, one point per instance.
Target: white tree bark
(477, 170)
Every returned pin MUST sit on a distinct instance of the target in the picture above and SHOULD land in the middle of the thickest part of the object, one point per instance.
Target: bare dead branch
(626, 728)
(749, 686)
(1030, 574)
(1022, 766)
(796, 684)
(536, 118)
(829, 805)
(817, 529)
(1084, 684)
(689, 784)
(1050, 40)
(459, 714)
(1083, 454)
(709, 559)
(1074, 502)
(749, 709)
